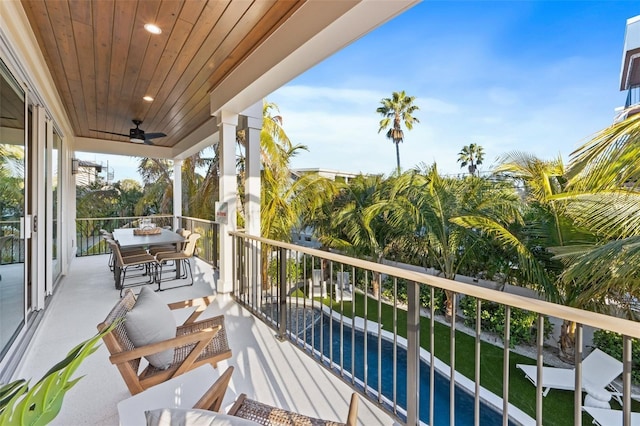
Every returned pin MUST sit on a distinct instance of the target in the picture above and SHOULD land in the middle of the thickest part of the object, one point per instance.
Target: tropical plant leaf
(41, 403)
(9, 390)
(531, 269)
(610, 269)
(609, 159)
(609, 214)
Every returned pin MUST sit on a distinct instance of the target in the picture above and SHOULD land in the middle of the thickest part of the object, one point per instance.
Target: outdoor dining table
(126, 238)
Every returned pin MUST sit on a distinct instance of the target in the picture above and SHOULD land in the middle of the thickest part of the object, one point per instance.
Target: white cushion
(596, 392)
(591, 401)
(192, 417)
(150, 321)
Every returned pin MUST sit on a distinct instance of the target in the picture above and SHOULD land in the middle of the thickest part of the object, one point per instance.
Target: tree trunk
(567, 343)
(375, 284)
(398, 156)
(264, 267)
(448, 304)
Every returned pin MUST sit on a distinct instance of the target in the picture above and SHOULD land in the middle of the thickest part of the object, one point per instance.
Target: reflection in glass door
(12, 204)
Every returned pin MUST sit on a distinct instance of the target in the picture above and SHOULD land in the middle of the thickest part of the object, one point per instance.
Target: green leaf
(42, 403)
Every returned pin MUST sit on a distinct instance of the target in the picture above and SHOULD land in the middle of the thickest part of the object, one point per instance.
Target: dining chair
(127, 251)
(122, 264)
(184, 233)
(182, 256)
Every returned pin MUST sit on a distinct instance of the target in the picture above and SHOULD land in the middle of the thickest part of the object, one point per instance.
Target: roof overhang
(313, 33)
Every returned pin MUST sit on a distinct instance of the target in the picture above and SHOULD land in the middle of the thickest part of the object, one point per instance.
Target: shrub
(611, 344)
(293, 268)
(425, 294)
(492, 318)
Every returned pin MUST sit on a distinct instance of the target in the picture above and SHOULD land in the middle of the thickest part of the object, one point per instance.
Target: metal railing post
(413, 352)
(627, 365)
(577, 396)
(282, 299)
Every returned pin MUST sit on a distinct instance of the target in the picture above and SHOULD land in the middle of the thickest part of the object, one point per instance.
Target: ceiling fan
(136, 135)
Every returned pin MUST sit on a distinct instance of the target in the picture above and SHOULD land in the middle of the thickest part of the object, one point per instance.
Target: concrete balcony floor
(266, 369)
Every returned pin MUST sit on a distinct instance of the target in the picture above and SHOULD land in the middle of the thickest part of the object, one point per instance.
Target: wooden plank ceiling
(103, 61)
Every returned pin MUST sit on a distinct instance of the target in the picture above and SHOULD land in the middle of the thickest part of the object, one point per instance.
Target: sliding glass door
(12, 209)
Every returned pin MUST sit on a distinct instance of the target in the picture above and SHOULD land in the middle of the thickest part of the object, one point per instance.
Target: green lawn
(557, 406)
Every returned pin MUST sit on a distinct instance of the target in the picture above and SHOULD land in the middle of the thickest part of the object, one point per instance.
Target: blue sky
(538, 77)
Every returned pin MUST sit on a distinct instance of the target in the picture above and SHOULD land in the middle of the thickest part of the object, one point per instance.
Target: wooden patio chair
(195, 389)
(267, 415)
(196, 343)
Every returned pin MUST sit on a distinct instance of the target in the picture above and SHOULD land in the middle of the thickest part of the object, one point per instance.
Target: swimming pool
(464, 401)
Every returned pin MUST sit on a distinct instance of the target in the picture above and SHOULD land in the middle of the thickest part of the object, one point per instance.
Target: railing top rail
(197, 219)
(594, 319)
(124, 217)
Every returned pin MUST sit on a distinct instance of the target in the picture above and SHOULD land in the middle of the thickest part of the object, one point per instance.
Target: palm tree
(396, 110)
(358, 223)
(200, 192)
(284, 201)
(158, 187)
(446, 220)
(542, 180)
(552, 228)
(604, 177)
(471, 156)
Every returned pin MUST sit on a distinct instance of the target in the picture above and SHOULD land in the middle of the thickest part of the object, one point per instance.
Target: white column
(177, 192)
(252, 169)
(227, 124)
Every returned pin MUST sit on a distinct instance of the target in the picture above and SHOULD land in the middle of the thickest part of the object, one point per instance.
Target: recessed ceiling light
(147, 98)
(152, 28)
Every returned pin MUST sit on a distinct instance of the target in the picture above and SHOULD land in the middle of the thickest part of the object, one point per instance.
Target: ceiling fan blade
(154, 135)
(148, 142)
(110, 133)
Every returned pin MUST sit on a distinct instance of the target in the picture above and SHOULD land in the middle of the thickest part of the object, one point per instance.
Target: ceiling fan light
(147, 98)
(136, 140)
(152, 28)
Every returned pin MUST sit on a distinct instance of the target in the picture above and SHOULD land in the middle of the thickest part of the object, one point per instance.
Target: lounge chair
(607, 417)
(344, 289)
(598, 371)
(317, 285)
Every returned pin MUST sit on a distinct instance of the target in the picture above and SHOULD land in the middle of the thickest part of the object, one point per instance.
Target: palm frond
(606, 269)
(529, 266)
(609, 159)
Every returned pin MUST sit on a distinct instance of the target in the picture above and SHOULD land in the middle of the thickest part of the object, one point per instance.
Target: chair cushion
(150, 321)
(192, 417)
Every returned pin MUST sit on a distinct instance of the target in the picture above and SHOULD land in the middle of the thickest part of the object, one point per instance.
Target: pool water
(464, 400)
